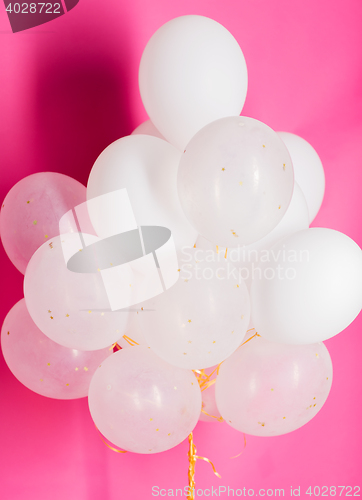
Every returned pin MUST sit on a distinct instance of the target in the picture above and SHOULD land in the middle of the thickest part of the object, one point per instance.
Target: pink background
(67, 90)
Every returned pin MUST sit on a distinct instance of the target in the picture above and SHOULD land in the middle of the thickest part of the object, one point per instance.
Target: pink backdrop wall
(67, 90)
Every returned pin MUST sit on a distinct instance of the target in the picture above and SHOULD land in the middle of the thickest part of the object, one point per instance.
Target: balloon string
(192, 463)
(109, 446)
(219, 419)
(130, 341)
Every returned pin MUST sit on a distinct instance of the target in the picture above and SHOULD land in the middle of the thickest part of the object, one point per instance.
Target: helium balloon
(248, 258)
(148, 128)
(235, 181)
(71, 308)
(31, 212)
(268, 389)
(192, 72)
(308, 170)
(202, 319)
(147, 168)
(310, 288)
(143, 404)
(42, 365)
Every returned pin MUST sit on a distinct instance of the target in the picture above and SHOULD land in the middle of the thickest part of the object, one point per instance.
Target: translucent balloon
(147, 167)
(31, 212)
(310, 289)
(143, 404)
(148, 128)
(70, 308)
(249, 257)
(268, 389)
(192, 72)
(42, 365)
(235, 181)
(308, 170)
(202, 319)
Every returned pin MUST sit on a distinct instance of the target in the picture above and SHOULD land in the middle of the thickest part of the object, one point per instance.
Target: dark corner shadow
(81, 106)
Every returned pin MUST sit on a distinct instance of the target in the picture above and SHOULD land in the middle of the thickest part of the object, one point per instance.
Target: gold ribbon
(108, 445)
(130, 341)
(192, 464)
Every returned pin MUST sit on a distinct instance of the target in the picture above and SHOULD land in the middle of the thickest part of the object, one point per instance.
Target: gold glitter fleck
(283, 418)
(279, 207)
(157, 430)
(272, 389)
(48, 364)
(185, 281)
(317, 355)
(232, 331)
(46, 236)
(98, 269)
(141, 308)
(314, 405)
(102, 314)
(178, 270)
(28, 202)
(175, 388)
(51, 317)
(209, 352)
(8, 333)
(223, 169)
(313, 398)
(85, 369)
(67, 315)
(67, 385)
(185, 353)
(189, 321)
(35, 222)
(214, 342)
(261, 423)
(283, 166)
(76, 369)
(169, 434)
(242, 316)
(184, 150)
(151, 419)
(263, 145)
(236, 286)
(51, 245)
(189, 341)
(89, 312)
(240, 183)
(41, 380)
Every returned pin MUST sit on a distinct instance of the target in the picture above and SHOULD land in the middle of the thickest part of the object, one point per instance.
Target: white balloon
(248, 258)
(192, 72)
(308, 170)
(71, 308)
(147, 167)
(310, 289)
(148, 128)
(202, 319)
(235, 181)
(268, 389)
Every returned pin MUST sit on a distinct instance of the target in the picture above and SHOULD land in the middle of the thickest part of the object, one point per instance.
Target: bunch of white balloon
(238, 198)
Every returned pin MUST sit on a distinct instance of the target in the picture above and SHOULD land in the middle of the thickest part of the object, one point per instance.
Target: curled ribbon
(108, 445)
(192, 463)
